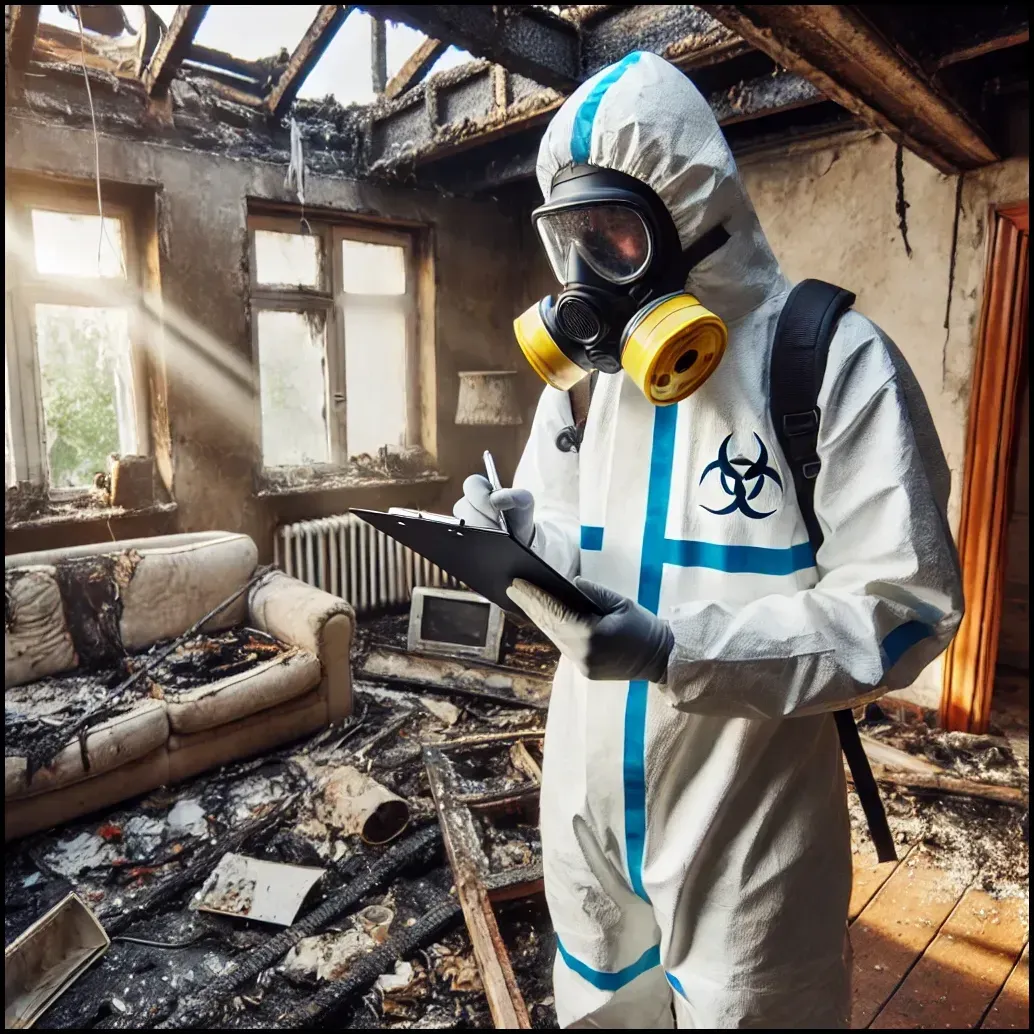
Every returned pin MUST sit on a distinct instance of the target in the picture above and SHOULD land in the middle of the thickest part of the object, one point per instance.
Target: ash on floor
(972, 839)
(139, 866)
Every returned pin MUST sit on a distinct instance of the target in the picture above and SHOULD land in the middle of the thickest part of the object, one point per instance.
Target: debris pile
(378, 936)
(377, 930)
(962, 815)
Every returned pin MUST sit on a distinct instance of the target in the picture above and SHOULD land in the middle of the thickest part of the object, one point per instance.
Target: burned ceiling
(937, 85)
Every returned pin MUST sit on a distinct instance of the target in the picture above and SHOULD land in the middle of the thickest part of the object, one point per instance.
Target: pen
(493, 480)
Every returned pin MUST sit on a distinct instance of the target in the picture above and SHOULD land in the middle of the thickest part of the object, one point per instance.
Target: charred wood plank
(765, 95)
(845, 56)
(416, 66)
(953, 786)
(21, 35)
(526, 40)
(173, 48)
(256, 70)
(203, 1007)
(311, 48)
(469, 868)
(378, 55)
(986, 40)
(683, 33)
(322, 1006)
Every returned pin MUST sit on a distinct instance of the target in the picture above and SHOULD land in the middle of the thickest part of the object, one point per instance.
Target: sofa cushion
(172, 587)
(37, 642)
(284, 677)
(140, 729)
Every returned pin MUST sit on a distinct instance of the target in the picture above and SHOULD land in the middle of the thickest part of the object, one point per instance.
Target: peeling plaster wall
(202, 239)
(830, 213)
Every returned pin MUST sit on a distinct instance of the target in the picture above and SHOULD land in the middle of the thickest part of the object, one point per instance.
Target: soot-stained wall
(201, 201)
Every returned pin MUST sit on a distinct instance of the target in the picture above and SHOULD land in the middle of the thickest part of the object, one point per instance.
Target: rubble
(380, 940)
(972, 839)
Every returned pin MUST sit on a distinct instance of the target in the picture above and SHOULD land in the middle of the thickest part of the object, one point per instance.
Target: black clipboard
(487, 560)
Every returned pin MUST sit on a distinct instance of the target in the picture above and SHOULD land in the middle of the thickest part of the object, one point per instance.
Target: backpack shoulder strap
(805, 328)
(803, 334)
(570, 438)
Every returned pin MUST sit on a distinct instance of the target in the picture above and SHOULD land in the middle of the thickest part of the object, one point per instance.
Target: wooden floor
(928, 955)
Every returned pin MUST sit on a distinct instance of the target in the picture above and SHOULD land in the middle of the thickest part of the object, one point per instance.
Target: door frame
(969, 667)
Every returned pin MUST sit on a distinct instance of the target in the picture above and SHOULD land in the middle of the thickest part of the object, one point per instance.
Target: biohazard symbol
(735, 482)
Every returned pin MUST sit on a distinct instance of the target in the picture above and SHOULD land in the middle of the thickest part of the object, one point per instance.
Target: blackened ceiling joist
(22, 23)
(416, 66)
(842, 53)
(173, 48)
(317, 38)
(529, 41)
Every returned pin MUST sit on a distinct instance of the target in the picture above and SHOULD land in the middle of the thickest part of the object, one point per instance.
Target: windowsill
(304, 482)
(56, 514)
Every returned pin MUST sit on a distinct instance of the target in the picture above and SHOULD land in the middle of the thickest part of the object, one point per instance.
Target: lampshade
(488, 397)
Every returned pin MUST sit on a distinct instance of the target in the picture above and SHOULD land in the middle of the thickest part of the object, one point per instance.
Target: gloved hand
(480, 507)
(628, 642)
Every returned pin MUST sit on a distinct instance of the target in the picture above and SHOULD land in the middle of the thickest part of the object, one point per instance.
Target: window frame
(329, 297)
(25, 288)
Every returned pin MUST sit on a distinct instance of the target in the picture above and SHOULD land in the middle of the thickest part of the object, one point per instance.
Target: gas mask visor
(614, 247)
(612, 239)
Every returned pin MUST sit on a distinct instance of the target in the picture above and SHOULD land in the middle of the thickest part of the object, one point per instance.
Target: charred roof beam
(311, 48)
(173, 48)
(21, 35)
(416, 66)
(529, 41)
(686, 35)
(852, 63)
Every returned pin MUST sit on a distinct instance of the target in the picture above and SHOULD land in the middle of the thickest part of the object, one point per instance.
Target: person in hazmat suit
(695, 831)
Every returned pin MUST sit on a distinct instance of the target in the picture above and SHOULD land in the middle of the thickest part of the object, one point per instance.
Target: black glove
(627, 643)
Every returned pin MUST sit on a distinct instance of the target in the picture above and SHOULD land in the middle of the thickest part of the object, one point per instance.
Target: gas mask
(615, 248)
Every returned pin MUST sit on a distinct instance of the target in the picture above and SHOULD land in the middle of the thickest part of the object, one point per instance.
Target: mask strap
(705, 246)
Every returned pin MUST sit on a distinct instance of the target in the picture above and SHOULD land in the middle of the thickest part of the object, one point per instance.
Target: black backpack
(805, 329)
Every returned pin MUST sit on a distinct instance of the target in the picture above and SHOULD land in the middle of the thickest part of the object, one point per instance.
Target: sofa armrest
(298, 614)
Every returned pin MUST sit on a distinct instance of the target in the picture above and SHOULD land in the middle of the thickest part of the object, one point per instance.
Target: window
(74, 376)
(333, 319)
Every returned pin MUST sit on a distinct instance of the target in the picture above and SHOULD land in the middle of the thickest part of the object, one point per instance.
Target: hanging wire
(97, 157)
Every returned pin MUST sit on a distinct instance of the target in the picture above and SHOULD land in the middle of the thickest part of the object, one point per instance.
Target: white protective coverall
(695, 834)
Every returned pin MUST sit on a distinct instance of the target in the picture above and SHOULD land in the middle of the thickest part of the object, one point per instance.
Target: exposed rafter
(682, 33)
(417, 65)
(379, 55)
(311, 48)
(173, 48)
(838, 50)
(987, 39)
(529, 41)
(21, 34)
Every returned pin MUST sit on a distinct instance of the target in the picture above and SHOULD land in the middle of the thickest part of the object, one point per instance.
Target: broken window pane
(86, 379)
(67, 244)
(375, 377)
(287, 258)
(292, 379)
(373, 268)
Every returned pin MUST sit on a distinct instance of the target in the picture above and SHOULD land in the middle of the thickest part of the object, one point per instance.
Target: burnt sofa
(71, 614)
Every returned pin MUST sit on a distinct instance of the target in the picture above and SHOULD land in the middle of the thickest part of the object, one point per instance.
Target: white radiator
(346, 557)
